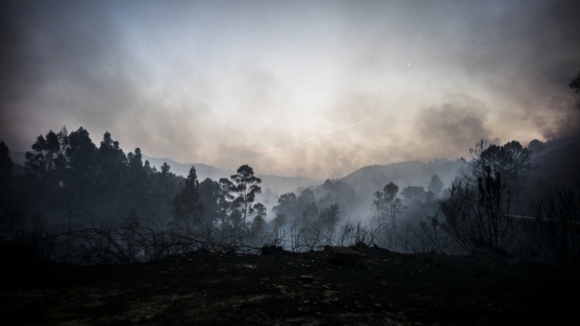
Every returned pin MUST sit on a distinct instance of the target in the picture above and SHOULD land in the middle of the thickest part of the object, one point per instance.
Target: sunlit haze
(293, 88)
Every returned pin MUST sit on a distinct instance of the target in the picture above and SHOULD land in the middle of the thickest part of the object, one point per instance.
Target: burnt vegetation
(79, 209)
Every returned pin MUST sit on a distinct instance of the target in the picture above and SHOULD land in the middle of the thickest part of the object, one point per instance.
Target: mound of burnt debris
(356, 285)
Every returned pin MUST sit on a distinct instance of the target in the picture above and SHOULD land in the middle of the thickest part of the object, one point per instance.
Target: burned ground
(217, 288)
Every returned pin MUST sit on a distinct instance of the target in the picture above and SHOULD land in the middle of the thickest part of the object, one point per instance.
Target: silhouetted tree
(435, 186)
(286, 210)
(48, 161)
(48, 153)
(536, 147)
(414, 194)
(83, 166)
(307, 209)
(210, 197)
(246, 186)
(137, 182)
(379, 203)
(479, 208)
(112, 172)
(394, 204)
(187, 205)
(334, 191)
(227, 214)
(10, 217)
(165, 169)
(258, 225)
(6, 163)
(166, 185)
(304, 199)
(511, 161)
(329, 217)
(387, 205)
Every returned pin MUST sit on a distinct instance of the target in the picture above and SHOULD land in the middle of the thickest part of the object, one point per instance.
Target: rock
(343, 256)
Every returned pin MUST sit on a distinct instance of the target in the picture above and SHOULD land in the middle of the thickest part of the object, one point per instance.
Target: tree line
(70, 183)
(67, 171)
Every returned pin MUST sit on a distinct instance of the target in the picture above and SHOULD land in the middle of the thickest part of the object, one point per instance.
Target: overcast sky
(311, 88)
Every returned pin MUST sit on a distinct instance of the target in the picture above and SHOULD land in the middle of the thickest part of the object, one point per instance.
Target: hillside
(354, 192)
(558, 164)
(371, 178)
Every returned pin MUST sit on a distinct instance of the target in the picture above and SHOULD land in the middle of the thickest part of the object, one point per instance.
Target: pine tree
(187, 206)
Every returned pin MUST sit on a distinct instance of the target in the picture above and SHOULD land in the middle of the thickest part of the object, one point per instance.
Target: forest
(74, 201)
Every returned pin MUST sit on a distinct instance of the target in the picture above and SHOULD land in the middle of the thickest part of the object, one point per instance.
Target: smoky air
(280, 163)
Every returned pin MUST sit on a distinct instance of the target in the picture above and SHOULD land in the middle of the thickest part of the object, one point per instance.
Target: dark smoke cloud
(67, 63)
(67, 66)
(530, 54)
(452, 127)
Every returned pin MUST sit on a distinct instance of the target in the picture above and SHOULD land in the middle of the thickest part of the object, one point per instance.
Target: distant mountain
(371, 178)
(556, 144)
(365, 181)
(277, 184)
(203, 171)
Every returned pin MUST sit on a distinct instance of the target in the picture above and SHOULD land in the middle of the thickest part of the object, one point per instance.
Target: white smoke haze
(220, 82)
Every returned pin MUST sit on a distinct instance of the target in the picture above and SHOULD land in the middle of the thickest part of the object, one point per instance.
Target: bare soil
(216, 288)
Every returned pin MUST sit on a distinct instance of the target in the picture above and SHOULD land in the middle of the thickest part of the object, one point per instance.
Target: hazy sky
(312, 88)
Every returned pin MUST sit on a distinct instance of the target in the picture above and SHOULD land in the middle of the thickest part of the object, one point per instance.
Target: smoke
(212, 82)
(452, 127)
(527, 59)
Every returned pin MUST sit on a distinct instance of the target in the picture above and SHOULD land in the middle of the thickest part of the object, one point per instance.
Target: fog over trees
(289, 162)
(80, 202)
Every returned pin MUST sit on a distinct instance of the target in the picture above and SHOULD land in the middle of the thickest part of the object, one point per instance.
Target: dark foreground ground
(212, 288)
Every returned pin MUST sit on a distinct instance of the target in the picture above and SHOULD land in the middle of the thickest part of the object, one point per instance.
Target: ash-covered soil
(216, 288)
